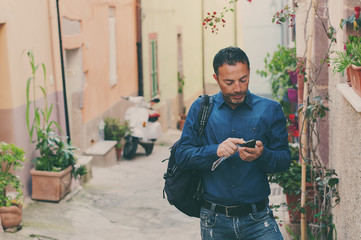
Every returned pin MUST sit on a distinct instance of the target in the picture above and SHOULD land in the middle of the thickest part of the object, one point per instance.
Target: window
(154, 64)
(113, 76)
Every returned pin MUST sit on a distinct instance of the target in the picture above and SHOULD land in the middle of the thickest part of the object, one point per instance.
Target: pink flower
(344, 47)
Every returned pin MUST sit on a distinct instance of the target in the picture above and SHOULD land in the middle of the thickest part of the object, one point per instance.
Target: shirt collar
(248, 100)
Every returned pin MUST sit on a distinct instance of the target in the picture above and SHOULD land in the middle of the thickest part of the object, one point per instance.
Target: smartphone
(250, 144)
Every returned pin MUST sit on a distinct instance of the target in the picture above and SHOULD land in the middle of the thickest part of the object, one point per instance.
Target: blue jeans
(256, 225)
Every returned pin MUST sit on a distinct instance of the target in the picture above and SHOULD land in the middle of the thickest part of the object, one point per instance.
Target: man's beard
(235, 102)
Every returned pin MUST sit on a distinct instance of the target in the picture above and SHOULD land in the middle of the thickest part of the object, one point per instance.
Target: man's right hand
(229, 147)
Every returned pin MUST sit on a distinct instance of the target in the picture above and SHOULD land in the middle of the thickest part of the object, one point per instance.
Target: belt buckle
(227, 213)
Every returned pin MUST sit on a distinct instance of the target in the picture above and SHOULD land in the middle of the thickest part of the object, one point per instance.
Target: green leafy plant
(11, 159)
(277, 67)
(116, 130)
(353, 19)
(350, 55)
(55, 153)
(180, 82)
(276, 70)
(290, 180)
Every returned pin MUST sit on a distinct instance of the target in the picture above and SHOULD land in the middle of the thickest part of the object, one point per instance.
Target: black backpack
(184, 187)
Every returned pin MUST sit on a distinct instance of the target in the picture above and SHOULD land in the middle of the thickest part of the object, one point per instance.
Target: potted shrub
(290, 181)
(11, 159)
(115, 129)
(350, 60)
(278, 69)
(55, 165)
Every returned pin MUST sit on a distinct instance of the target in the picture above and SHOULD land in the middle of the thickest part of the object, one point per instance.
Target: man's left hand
(250, 154)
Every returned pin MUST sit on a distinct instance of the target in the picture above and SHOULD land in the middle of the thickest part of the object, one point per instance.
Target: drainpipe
(203, 80)
(139, 48)
(235, 24)
(63, 75)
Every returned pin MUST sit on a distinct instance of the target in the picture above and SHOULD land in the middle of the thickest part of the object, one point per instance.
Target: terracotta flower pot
(292, 94)
(11, 216)
(294, 200)
(354, 75)
(119, 153)
(293, 76)
(50, 186)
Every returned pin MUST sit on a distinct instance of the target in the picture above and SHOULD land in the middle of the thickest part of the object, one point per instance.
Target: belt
(236, 211)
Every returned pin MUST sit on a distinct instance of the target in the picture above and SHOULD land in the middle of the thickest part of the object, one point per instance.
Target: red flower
(214, 13)
(357, 9)
(357, 15)
(292, 117)
(296, 133)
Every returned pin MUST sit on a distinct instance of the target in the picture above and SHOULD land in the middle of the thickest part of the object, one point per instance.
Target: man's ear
(215, 77)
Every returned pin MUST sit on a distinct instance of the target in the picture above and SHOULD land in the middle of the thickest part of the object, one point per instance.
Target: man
(236, 192)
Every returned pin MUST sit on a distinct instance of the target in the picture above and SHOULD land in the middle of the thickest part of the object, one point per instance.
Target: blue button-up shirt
(236, 181)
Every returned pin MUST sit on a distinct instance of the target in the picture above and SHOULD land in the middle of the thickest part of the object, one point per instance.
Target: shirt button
(233, 167)
(233, 186)
(233, 130)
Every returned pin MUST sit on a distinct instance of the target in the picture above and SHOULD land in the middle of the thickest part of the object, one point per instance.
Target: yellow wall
(167, 18)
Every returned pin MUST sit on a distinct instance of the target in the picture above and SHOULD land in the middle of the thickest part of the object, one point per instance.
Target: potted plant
(278, 68)
(56, 164)
(11, 159)
(115, 129)
(290, 181)
(350, 60)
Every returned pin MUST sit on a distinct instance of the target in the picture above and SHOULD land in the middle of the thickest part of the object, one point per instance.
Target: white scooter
(144, 125)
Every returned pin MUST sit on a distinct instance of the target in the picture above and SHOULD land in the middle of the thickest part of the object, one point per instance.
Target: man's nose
(237, 87)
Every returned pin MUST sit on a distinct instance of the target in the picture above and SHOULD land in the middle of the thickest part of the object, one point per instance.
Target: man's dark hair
(229, 56)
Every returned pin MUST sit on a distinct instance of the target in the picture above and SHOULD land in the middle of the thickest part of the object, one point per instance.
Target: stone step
(103, 153)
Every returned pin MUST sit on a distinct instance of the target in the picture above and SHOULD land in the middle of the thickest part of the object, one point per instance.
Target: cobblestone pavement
(124, 201)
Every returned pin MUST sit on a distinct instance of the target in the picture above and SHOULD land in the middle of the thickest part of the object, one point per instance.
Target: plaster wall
(344, 123)
(257, 36)
(345, 144)
(36, 35)
(27, 25)
(167, 19)
(98, 95)
(86, 39)
(230, 35)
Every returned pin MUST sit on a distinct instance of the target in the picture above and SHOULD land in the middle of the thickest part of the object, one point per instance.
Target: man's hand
(250, 154)
(229, 147)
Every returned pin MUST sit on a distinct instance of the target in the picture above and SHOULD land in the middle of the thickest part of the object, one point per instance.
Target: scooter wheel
(148, 148)
(130, 148)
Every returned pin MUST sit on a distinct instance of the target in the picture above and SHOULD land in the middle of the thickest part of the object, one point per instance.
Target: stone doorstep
(87, 161)
(103, 152)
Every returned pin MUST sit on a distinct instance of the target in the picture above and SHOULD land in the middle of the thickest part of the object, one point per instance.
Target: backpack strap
(204, 112)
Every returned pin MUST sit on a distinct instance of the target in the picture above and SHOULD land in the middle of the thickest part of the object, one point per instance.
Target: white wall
(260, 36)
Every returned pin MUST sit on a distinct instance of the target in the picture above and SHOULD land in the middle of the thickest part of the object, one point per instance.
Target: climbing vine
(313, 109)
